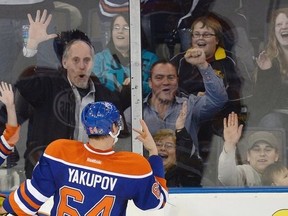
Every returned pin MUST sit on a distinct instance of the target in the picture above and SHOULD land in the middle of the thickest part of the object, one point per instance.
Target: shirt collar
(220, 53)
(90, 82)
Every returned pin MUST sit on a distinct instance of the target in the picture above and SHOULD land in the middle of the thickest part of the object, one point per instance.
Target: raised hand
(196, 56)
(146, 138)
(7, 98)
(180, 121)
(263, 61)
(38, 29)
(7, 94)
(232, 132)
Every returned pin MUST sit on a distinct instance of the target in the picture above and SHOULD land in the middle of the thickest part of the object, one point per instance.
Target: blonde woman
(270, 99)
(183, 167)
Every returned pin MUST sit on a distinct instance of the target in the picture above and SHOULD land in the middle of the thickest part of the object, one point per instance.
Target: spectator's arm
(37, 32)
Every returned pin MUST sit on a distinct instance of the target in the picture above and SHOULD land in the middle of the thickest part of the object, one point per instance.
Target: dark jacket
(189, 168)
(270, 93)
(190, 79)
(191, 82)
(47, 100)
(50, 94)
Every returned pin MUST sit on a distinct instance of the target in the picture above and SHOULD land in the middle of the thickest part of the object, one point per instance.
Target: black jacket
(270, 93)
(191, 82)
(189, 168)
(47, 100)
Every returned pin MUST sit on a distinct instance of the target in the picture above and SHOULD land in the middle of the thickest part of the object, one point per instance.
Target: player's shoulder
(62, 145)
(132, 163)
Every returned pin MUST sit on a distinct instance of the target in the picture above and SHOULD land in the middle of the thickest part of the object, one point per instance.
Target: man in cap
(90, 178)
(262, 150)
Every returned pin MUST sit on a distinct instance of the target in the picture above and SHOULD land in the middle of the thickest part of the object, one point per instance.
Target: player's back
(89, 180)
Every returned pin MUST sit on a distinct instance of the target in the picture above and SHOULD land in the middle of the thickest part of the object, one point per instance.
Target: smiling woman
(112, 65)
(175, 149)
(166, 144)
(272, 75)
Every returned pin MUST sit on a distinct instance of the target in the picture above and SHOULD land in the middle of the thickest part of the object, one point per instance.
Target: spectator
(13, 19)
(207, 34)
(181, 168)
(37, 37)
(112, 65)
(11, 133)
(58, 96)
(269, 103)
(161, 108)
(275, 174)
(97, 179)
(262, 150)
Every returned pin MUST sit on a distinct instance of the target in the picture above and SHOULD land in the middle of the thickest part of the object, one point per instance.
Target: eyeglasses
(166, 145)
(204, 35)
(118, 27)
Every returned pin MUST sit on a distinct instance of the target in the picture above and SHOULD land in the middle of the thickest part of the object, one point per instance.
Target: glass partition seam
(136, 86)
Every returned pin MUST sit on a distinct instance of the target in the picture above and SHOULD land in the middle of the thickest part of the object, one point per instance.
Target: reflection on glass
(168, 28)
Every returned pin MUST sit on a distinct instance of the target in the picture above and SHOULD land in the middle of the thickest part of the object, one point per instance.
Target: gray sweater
(231, 174)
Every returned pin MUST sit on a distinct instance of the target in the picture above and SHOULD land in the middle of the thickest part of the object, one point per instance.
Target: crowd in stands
(220, 80)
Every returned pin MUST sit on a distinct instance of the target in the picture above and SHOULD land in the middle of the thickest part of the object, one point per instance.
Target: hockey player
(90, 178)
(11, 133)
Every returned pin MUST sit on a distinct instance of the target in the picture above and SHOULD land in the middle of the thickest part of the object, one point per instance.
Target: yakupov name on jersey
(91, 179)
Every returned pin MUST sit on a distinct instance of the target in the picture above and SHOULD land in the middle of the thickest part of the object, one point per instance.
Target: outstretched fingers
(142, 132)
(43, 17)
(38, 14)
(5, 86)
(7, 96)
